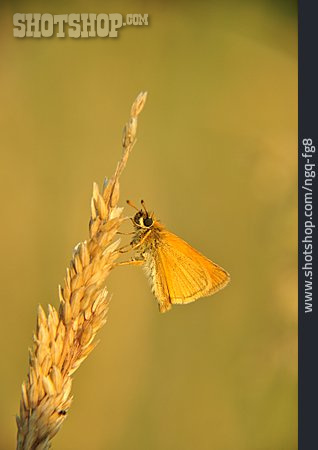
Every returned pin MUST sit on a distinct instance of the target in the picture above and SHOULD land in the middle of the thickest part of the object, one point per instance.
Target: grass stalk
(64, 337)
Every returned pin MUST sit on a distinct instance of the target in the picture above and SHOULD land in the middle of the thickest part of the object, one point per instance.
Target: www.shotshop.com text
(309, 226)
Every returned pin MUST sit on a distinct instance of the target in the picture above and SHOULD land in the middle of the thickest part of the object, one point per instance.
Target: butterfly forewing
(181, 274)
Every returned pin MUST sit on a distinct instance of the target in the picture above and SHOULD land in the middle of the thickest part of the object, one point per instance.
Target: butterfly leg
(132, 262)
(134, 246)
(125, 249)
(131, 232)
(126, 234)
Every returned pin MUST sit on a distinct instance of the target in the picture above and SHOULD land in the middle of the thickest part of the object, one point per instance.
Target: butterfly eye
(148, 222)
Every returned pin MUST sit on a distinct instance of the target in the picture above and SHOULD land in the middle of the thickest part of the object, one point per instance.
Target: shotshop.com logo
(74, 25)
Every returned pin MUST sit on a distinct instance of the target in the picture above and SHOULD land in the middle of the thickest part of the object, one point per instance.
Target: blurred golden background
(216, 160)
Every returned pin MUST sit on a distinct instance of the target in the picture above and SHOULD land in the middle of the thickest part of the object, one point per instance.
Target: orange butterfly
(178, 273)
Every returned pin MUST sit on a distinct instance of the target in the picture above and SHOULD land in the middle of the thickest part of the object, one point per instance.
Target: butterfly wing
(181, 274)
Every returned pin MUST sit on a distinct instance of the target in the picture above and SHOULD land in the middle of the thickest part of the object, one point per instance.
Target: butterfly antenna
(132, 205)
(144, 206)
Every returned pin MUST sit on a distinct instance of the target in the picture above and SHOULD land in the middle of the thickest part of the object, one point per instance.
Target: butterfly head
(142, 219)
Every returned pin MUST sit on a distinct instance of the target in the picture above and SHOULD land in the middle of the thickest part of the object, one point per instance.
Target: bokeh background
(216, 160)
